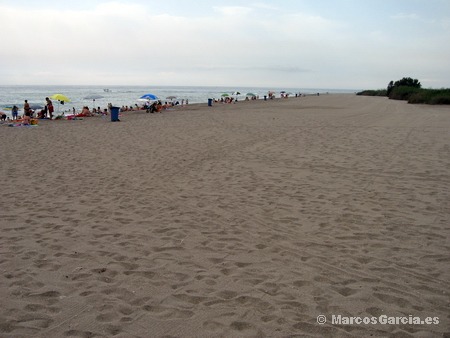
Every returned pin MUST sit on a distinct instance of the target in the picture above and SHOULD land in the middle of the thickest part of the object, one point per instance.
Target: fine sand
(237, 220)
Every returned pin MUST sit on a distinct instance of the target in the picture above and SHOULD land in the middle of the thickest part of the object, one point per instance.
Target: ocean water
(129, 95)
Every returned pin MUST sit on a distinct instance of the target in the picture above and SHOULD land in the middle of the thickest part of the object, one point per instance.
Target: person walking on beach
(26, 109)
(49, 107)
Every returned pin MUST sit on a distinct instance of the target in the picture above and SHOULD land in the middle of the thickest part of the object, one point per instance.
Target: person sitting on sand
(159, 107)
(26, 120)
(41, 114)
(152, 108)
(86, 111)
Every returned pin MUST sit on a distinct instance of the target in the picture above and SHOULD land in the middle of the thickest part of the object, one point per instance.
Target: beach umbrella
(171, 97)
(250, 94)
(93, 98)
(236, 93)
(149, 96)
(61, 99)
(225, 95)
(36, 106)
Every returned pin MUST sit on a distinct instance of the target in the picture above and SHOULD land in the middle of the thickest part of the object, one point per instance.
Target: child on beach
(15, 112)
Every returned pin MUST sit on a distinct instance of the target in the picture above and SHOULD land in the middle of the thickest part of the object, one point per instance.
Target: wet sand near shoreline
(236, 220)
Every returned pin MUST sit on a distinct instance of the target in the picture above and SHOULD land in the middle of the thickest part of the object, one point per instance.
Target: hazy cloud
(134, 42)
(405, 16)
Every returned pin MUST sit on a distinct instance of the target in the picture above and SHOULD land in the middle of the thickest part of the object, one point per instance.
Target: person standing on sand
(26, 109)
(49, 107)
(15, 112)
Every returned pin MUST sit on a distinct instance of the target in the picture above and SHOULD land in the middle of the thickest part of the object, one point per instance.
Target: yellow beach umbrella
(60, 98)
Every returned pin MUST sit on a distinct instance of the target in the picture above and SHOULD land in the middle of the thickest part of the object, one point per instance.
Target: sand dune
(242, 220)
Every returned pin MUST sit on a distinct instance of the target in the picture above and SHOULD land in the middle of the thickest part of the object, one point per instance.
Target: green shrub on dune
(430, 96)
(441, 99)
(379, 92)
(411, 90)
(403, 93)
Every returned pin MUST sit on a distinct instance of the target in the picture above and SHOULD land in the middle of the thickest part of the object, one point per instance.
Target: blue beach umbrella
(149, 97)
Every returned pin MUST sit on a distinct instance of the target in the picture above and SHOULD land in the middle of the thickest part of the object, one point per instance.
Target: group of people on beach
(29, 114)
(150, 107)
(227, 99)
(158, 106)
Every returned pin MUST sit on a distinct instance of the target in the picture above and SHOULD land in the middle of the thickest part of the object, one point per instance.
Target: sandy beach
(237, 220)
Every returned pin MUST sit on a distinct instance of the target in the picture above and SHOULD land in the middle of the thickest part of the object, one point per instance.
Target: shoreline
(242, 220)
(128, 95)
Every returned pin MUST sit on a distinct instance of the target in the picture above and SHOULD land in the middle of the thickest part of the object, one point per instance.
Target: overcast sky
(343, 44)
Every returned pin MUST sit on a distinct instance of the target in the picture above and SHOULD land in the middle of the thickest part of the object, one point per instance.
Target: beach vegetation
(393, 91)
(407, 82)
(431, 96)
(403, 92)
(421, 95)
(411, 90)
(377, 92)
